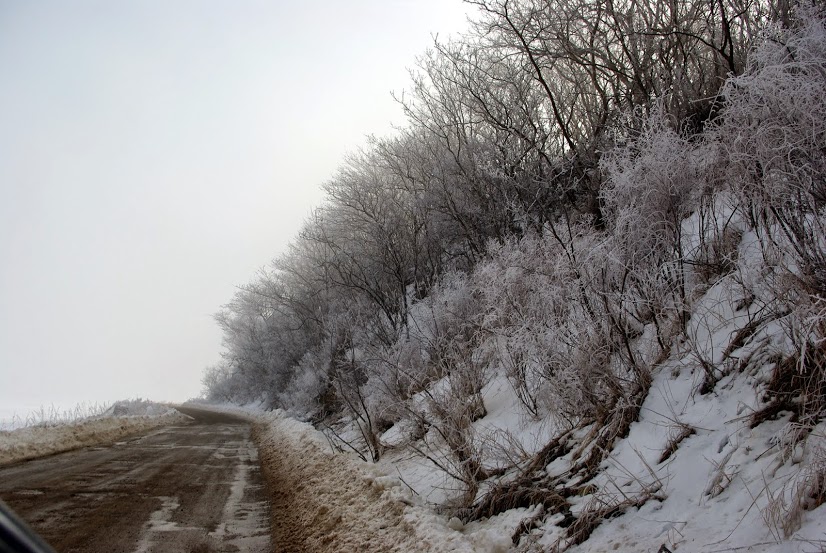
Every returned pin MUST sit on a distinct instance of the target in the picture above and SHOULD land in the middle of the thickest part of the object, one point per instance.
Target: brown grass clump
(787, 505)
(529, 489)
(809, 494)
(533, 487)
(798, 385)
(596, 513)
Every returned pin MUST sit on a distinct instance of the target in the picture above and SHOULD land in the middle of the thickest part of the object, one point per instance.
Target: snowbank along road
(190, 488)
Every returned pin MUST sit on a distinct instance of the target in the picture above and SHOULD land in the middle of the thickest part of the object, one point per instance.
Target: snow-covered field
(56, 435)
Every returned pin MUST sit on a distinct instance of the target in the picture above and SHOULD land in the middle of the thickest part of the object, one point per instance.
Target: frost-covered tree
(529, 218)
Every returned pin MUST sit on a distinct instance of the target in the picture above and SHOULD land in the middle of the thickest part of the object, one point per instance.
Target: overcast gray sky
(154, 154)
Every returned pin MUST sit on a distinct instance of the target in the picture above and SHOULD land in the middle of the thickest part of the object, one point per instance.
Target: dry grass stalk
(598, 510)
(798, 385)
(683, 432)
(807, 491)
(721, 479)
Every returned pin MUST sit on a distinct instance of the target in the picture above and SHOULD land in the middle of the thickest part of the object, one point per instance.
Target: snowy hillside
(580, 304)
(703, 466)
(694, 473)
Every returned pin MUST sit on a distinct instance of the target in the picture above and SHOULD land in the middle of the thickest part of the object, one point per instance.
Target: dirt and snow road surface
(191, 488)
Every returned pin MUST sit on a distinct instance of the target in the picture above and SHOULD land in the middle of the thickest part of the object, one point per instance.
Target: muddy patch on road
(190, 488)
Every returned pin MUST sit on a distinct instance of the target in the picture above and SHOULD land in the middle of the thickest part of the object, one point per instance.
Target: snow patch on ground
(245, 525)
(159, 521)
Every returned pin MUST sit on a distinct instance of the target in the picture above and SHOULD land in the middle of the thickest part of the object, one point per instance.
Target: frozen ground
(708, 480)
(122, 419)
(192, 487)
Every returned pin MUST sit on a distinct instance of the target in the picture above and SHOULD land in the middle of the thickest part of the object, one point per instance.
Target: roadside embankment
(325, 503)
(47, 439)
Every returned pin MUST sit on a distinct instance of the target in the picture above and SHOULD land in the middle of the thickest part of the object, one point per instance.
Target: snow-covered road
(194, 487)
